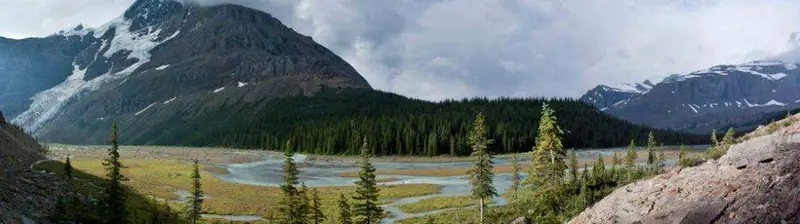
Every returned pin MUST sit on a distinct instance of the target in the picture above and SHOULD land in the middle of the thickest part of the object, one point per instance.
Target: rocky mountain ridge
(161, 60)
(716, 98)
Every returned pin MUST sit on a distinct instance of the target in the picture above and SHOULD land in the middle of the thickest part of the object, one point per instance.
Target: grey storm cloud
(442, 49)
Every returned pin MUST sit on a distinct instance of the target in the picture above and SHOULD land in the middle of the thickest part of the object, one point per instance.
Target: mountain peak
(145, 13)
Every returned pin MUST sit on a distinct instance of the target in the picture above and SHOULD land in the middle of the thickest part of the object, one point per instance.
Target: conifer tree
(727, 140)
(585, 173)
(113, 202)
(194, 205)
(614, 162)
(548, 156)
(599, 169)
(289, 204)
(515, 178)
(344, 211)
(661, 157)
(630, 157)
(573, 166)
(317, 216)
(304, 205)
(651, 147)
(714, 140)
(366, 210)
(481, 173)
(682, 160)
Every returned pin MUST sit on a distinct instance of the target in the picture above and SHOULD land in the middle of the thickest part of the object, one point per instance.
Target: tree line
(334, 121)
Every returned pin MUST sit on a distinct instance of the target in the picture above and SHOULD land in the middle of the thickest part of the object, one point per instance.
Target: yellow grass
(438, 203)
(162, 178)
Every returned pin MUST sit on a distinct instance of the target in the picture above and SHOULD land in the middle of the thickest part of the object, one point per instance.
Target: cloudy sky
(437, 49)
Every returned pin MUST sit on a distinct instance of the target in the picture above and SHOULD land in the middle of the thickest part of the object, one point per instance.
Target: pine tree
(317, 216)
(682, 160)
(194, 205)
(727, 140)
(714, 140)
(452, 146)
(113, 202)
(304, 205)
(548, 156)
(630, 157)
(573, 166)
(651, 147)
(365, 207)
(599, 169)
(344, 211)
(585, 173)
(66, 207)
(481, 173)
(289, 203)
(515, 178)
(614, 163)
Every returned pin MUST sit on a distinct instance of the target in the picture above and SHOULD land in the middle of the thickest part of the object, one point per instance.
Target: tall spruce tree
(651, 149)
(194, 205)
(515, 178)
(548, 155)
(289, 203)
(714, 139)
(727, 140)
(630, 157)
(614, 163)
(573, 166)
(481, 173)
(113, 201)
(682, 159)
(317, 216)
(345, 217)
(304, 206)
(365, 206)
(599, 169)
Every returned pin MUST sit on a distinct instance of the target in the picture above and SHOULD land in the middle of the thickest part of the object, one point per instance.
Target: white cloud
(462, 48)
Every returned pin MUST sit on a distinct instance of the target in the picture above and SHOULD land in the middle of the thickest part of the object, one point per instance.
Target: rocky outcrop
(755, 182)
(723, 96)
(25, 196)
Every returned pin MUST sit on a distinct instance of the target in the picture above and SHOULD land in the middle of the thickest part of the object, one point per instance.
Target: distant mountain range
(723, 96)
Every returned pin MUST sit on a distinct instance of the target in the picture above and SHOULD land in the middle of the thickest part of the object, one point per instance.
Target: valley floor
(241, 185)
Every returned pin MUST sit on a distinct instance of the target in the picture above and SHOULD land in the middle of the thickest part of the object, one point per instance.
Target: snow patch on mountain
(50, 103)
(162, 67)
(145, 109)
(170, 100)
(241, 84)
(219, 90)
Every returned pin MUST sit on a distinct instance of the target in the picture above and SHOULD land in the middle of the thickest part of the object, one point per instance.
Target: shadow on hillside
(141, 208)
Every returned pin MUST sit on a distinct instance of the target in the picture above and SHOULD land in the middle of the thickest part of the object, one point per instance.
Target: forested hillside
(334, 121)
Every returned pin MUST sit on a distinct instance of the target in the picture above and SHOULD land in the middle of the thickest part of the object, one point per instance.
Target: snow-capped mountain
(161, 60)
(604, 96)
(715, 98)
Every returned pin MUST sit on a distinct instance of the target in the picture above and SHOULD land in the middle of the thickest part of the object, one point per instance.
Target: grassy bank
(163, 178)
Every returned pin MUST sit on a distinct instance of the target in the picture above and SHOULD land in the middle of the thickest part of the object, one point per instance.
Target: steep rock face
(755, 182)
(717, 98)
(168, 60)
(25, 196)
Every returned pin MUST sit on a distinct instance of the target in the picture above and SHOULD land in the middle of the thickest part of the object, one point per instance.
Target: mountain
(160, 60)
(25, 196)
(738, 96)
